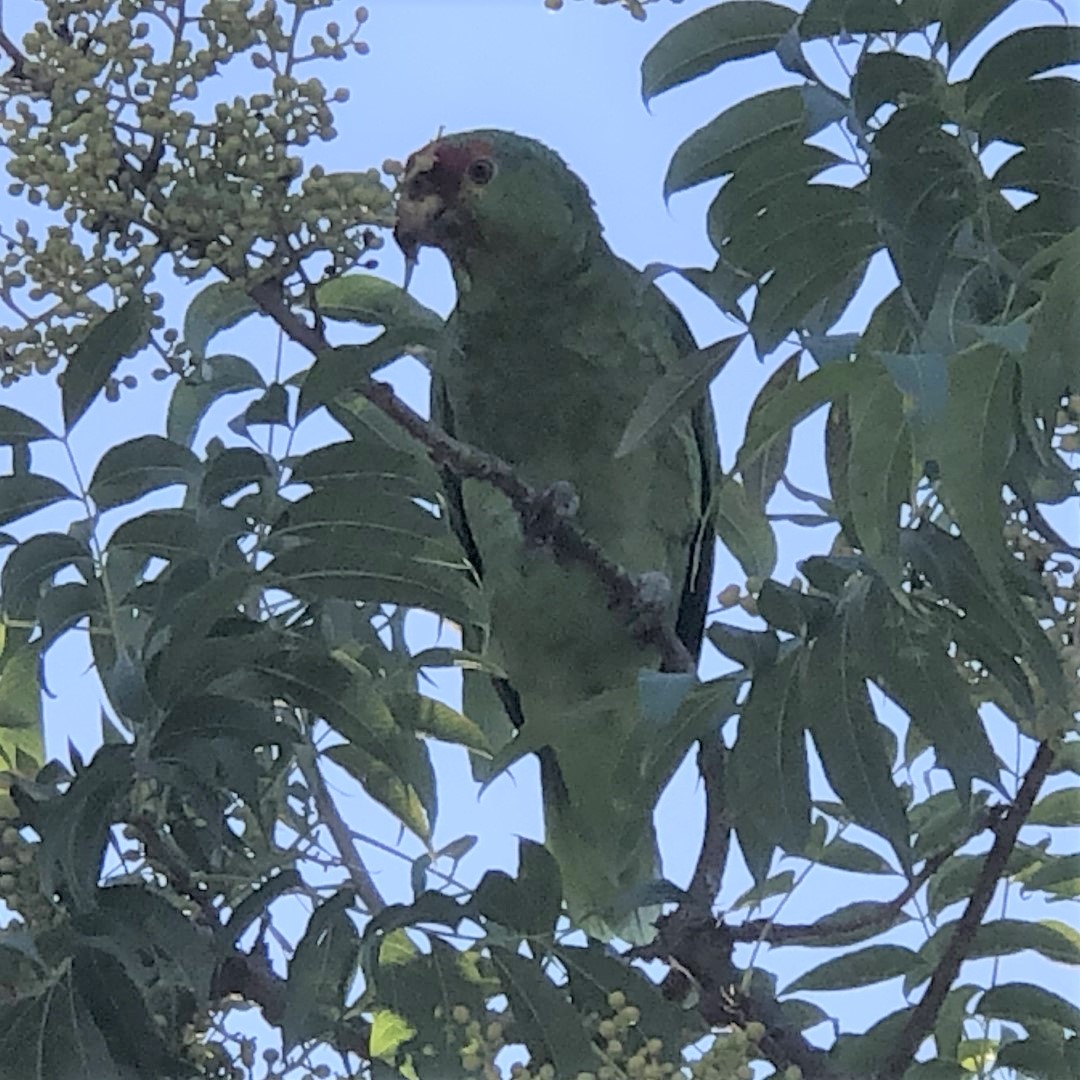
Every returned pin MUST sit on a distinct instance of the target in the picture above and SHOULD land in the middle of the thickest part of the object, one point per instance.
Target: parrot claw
(559, 502)
(652, 602)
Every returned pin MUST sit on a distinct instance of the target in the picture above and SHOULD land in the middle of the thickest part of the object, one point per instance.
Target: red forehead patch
(455, 157)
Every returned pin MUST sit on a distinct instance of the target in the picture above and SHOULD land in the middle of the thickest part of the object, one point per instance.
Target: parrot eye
(481, 170)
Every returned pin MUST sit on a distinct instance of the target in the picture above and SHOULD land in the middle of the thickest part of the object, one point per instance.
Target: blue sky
(570, 79)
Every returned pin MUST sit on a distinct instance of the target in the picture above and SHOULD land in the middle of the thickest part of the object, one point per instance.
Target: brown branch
(716, 842)
(567, 540)
(14, 54)
(359, 875)
(922, 1020)
(701, 948)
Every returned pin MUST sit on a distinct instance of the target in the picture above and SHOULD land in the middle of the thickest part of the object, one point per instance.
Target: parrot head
(494, 201)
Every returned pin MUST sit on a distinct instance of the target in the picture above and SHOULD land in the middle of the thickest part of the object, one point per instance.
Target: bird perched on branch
(555, 342)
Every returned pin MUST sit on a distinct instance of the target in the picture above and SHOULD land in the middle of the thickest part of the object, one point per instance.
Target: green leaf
(847, 735)
(221, 305)
(778, 885)
(880, 469)
(712, 37)
(860, 1055)
(752, 649)
(117, 335)
(321, 971)
(851, 924)
(675, 392)
(545, 1021)
(193, 397)
(722, 284)
(921, 189)
(956, 878)
(771, 180)
(1005, 937)
(1051, 364)
(891, 77)
(1038, 1057)
(911, 663)
(961, 20)
(923, 379)
(1024, 53)
(798, 613)
(762, 231)
(400, 797)
(764, 472)
(974, 439)
(874, 964)
(723, 144)
(22, 495)
(74, 828)
(365, 545)
(529, 904)
(141, 465)
(1023, 1003)
(994, 628)
(271, 408)
(22, 750)
(1059, 875)
(17, 427)
(197, 718)
(937, 1070)
(792, 405)
(436, 719)
(168, 534)
(843, 854)
(254, 904)
(743, 529)
(32, 564)
(374, 301)
(770, 755)
(1057, 808)
(389, 1031)
(234, 469)
(367, 461)
(817, 266)
(832, 18)
(949, 1027)
(65, 605)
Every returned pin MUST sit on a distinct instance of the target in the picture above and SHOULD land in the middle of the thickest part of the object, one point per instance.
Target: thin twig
(359, 875)
(922, 1020)
(755, 930)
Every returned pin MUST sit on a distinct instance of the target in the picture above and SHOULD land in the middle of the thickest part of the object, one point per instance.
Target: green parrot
(554, 343)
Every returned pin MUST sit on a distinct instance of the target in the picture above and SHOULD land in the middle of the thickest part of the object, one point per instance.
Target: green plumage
(556, 341)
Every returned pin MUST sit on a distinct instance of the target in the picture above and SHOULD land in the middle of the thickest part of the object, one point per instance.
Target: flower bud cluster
(112, 121)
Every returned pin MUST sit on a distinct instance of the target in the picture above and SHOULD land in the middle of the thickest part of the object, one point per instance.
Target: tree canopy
(248, 628)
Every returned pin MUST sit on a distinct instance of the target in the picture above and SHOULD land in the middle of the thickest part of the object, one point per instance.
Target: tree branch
(359, 875)
(566, 538)
(712, 859)
(701, 948)
(922, 1020)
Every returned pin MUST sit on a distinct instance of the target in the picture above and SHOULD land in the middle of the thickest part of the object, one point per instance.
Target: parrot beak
(411, 231)
(419, 207)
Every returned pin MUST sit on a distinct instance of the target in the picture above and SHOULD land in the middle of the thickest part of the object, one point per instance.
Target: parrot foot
(560, 502)
(652, 602)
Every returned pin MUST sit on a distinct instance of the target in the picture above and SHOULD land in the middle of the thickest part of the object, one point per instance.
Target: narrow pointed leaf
(713, 37)
(117, 335)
